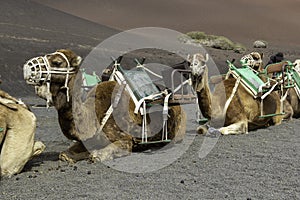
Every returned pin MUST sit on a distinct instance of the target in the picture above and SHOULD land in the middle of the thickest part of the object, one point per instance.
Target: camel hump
(276, 67)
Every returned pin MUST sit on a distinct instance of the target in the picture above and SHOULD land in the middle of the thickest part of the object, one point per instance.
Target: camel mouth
(39, 71)
(198, 70)
(34, 70)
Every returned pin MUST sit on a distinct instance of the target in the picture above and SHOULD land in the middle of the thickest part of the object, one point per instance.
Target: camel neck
(204, 101)
(59, 94)
(204, 94)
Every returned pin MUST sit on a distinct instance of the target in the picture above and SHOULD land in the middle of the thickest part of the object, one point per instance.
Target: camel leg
(236, 128)
(18, 145)
(116, 149)
(75, 153)
(288, 110)
(177, 123)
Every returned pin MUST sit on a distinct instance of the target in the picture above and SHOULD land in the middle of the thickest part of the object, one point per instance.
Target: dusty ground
(263, 164)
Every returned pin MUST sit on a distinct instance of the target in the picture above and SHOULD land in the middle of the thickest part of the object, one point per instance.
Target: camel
(291, 104)
(231, 109)
(17, 130)
(54, 77)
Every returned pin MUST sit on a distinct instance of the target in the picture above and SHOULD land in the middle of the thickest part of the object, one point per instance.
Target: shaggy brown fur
(80, 121)
(17, 144)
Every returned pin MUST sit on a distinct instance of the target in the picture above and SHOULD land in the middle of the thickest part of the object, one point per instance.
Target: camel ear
(188, 57)
(261, 55)
(76, 61)
(206, 57)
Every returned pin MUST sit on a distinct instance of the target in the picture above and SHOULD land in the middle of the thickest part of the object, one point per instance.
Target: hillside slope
(28, 29)
(276, 21)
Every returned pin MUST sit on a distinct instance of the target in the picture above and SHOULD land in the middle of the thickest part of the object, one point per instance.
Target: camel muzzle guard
(38, 71)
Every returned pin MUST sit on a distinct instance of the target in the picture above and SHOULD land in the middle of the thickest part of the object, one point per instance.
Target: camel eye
(195, 63)
(56, 63)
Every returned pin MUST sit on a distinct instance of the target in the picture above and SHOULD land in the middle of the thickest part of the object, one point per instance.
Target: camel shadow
(39, 160)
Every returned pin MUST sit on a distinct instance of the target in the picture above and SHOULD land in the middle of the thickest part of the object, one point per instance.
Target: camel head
(199, 70)
(253, 60)
(51, 69)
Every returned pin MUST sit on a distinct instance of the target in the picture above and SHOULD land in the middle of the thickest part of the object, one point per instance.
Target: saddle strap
(231, 96)
(111, 107)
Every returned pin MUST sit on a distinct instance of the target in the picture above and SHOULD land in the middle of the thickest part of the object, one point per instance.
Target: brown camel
(17, 130)
(81, 121)
(291, 104)
(237, 116)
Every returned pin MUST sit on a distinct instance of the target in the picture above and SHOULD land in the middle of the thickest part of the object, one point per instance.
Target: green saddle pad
(90, 80)
(249, 79)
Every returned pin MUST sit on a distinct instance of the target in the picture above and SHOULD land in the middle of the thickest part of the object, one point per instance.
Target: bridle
(38, 71)
(197, 65)
(248, 60)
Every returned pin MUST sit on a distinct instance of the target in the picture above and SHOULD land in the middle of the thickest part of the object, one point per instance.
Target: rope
(67, 74)
(282, 99)
(148, 70)
(105, 118)
(144, 126)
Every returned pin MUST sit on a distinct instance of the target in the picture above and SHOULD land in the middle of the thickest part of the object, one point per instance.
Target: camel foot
(202, 129)
(66, 157)
(108, 153)
(38, 148)
(72, 157)
(213, 132)
(76, 152)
